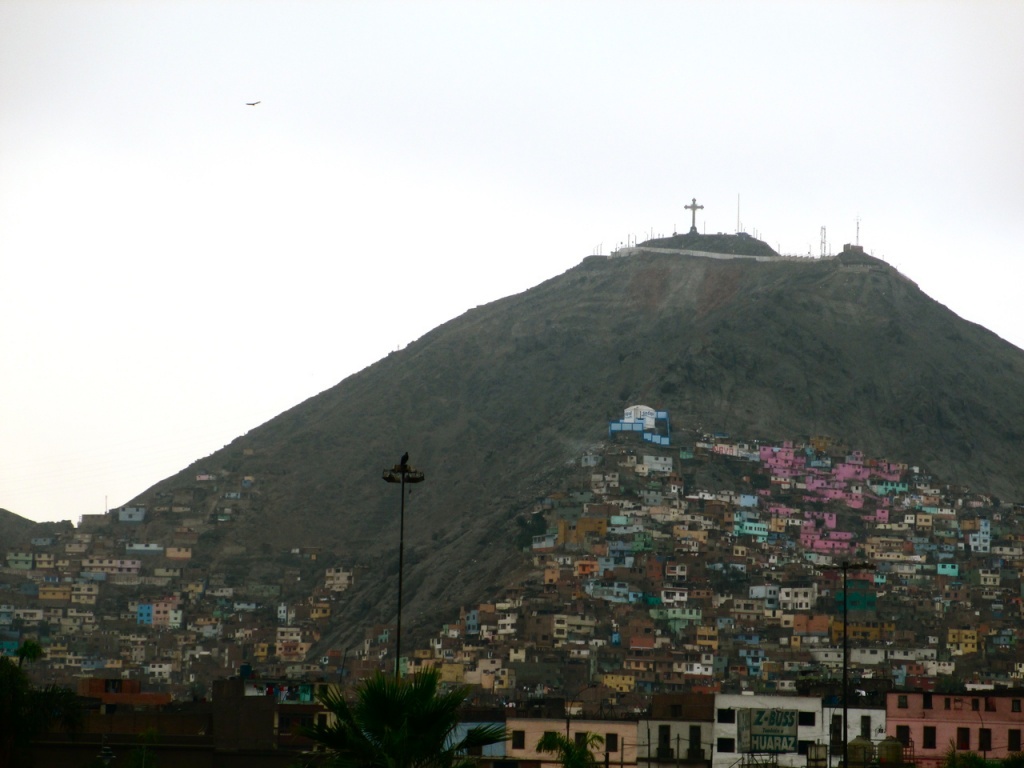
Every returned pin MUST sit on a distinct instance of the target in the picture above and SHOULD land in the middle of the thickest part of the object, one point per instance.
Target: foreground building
(986, 722)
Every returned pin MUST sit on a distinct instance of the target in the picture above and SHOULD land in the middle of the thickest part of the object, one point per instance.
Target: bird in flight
(251, 103)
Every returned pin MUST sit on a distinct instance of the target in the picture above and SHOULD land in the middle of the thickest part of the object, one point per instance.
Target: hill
(14, 529)
(494, 405)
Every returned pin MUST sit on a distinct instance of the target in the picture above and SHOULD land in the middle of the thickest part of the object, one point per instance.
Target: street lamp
(845, 567)
(401, 473)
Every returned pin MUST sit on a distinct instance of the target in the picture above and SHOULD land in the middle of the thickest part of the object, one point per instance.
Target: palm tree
(29, 650)
(576, 753)
(403, 723)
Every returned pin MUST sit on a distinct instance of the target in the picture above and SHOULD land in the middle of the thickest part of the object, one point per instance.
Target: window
(929, 737)
(805, 718)
(963, 738)
(581, 738)
(611, 742)
(985, 739)
(727, 716)
(975, 705)
(901, 701)
(903, 735)
(1015, 705)
(835, 733)
(927, 701)
(865, 726)
(1013, 740)
(726, 745)
(948, 704)
(802, 747)
(675, 710)
(990, 704)
(518, 739)
(664, 738)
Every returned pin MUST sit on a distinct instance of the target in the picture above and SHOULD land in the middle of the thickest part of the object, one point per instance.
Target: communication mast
(822, 251)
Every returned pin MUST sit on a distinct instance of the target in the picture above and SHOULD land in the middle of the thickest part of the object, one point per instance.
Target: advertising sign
(767, 730)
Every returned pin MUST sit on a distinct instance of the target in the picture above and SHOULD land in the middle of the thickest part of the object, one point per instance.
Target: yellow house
(961, 642)
(261, 651)
(85, 593)
(453, 673)
(863, 631)
(55, 592)
(680, 533)
(320, 611)
(576, 531)
(195, 588)
(707, 637)
(44, 560)
(619, 682)
(504, 679)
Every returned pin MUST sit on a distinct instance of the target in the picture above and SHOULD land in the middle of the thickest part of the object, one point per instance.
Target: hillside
(494, 405)
(14, 529)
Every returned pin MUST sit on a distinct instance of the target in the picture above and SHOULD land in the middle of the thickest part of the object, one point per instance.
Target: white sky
(177, 268)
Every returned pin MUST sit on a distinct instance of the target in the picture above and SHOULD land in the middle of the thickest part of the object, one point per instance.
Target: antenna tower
(822, 252)
(857, 241)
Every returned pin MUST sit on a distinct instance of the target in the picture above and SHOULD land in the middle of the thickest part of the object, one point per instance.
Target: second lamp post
(401, 473)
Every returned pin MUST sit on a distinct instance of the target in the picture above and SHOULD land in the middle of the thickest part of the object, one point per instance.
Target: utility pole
(569, 703)
(845, 567)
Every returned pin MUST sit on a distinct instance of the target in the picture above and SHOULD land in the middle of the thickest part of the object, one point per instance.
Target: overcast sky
(177, 268)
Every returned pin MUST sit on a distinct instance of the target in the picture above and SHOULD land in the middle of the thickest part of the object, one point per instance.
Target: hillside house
(130, 514)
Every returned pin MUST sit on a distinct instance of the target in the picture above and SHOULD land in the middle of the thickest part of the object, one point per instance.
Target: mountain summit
(495, 404)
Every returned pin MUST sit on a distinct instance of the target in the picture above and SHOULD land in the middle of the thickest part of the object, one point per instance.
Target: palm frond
(405, 723)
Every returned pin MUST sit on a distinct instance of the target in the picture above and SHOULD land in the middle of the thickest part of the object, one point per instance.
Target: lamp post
(401, 473)
(845, 567)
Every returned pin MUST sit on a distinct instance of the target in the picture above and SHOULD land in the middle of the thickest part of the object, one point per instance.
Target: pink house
(987, 723)
(851, 472)
(881, 515)
(618, 749)
(827, 541)
(162, 611)
(887, 471)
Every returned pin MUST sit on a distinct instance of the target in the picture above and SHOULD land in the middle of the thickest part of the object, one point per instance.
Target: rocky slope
(495, 404)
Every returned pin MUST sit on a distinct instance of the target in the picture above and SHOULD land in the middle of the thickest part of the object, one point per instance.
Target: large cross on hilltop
(694, 208)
